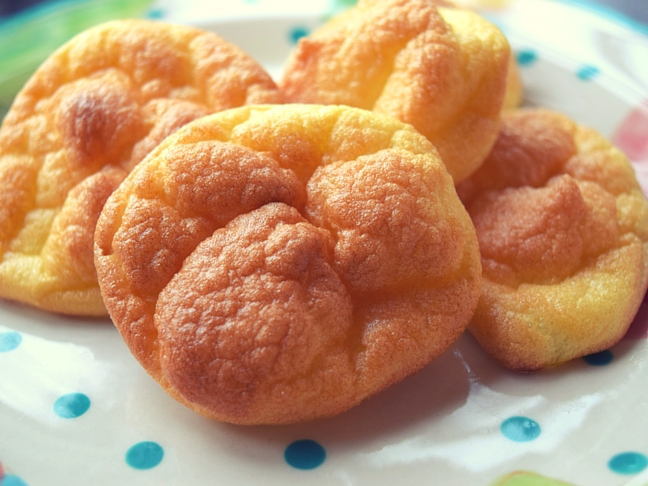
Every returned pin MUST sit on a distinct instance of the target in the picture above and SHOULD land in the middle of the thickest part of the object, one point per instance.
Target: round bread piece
(277, 264)
(443, 70)
(90, 113)
(563, 230)
(514, 88)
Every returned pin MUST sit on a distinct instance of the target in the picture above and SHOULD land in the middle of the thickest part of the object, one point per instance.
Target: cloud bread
(443, 70)
(281, 263)
(514, 88)
(90, 113)
(563, 230)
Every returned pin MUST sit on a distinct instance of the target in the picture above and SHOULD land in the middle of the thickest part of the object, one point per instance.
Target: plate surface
(77, 409)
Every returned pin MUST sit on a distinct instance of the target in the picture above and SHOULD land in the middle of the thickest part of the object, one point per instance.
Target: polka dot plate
(76, 409)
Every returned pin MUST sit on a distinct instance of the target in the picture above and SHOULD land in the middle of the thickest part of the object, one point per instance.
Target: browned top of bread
(280, 263)
(563, 230)
(90, 113)
(443, 70)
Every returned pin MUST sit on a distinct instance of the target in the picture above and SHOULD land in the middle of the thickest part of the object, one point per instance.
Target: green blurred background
(30, 30)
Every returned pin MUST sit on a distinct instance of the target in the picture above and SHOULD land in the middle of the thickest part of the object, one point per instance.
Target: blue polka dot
(599, 359)
(628, 463)
(297, 33)
(144, 455)
(9, 341)
(156, 13)
(71, 405)
(520, 429)
(11, 480)
(587, 73)
(305, 454)
(526, 57)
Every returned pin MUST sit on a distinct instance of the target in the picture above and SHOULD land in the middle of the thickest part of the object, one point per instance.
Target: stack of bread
(278, 253)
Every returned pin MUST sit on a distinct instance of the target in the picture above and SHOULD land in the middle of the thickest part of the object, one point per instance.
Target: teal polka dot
(587, 73)
(520, 429)
(156, 14)
(599, 359)
(11, 480)
(305, 454)
(144, 455)
(71, 405)
(9, 341)
(297, 33)
(526, 57)
(628, 463)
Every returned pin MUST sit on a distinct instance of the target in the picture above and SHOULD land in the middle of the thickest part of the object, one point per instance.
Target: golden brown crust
(276, 264)
(563, 233)
(442, 70)
(514, 88)
(88, 115)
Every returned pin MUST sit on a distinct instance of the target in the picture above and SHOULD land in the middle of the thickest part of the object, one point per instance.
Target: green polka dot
(144, 455)
(520, 429)
(343, 4)
(72, 405)
(527, 478)
(305, 454)
(628, 463)
(9, 341)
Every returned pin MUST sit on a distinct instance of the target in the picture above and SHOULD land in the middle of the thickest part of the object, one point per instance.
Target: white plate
(446, 425)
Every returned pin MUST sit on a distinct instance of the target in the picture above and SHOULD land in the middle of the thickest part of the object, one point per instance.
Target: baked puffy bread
(514, 89)
(277, 264)
(91, 112)
(562, 226)
(442, 70)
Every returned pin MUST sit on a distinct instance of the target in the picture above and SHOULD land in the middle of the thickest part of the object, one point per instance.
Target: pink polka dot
(632, 135)
(632, 138)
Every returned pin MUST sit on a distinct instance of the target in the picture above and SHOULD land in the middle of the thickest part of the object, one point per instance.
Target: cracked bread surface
(563, 232)
(87, 116)
(277, 264)
(443, 70)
